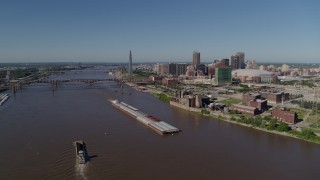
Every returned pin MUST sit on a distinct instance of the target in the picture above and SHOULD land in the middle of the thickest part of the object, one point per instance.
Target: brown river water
(38, 126)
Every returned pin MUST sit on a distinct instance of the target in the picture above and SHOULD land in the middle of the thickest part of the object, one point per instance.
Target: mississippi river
(38, 126)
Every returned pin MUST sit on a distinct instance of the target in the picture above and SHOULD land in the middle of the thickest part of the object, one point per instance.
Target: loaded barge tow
(3, 98)
(157, 125)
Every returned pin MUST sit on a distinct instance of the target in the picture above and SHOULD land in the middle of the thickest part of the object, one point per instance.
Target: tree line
(307, 104)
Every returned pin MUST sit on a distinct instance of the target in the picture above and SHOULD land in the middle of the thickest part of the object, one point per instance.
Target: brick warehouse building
(282, 114)
(246, 98)
(262, 105)
(245, 109)
(255, 100)
(275, 97)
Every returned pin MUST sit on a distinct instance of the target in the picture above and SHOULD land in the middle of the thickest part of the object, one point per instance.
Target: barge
(81, 152)
(150, 121)
(3, 98)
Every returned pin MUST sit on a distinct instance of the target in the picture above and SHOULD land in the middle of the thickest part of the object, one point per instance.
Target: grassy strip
(301, 113)
(306, 134)
(162, 97)
(269, 124)
(231, 101)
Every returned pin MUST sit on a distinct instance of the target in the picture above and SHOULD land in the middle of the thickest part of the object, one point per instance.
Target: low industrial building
(247, 97)
(283, 114)
(156, 79)
(275, 97)
(217, 106)
(245, 109)
(255, 100)
(169, 81)
(261, 105)
(188, 99)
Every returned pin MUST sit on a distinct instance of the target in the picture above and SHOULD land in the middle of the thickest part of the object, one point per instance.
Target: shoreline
(264, 130)
(226, 119)
(223, 117)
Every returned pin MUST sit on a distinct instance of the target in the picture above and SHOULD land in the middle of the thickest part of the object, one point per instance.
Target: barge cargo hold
(159, 126)
(3, 98)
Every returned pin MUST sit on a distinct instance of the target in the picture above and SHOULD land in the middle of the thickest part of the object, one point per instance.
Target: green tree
(205, 111)
(307, 134)
(256, 122)
(272, 125)
(162, 97)
(268, 118)
(263, 124)
(283, 127)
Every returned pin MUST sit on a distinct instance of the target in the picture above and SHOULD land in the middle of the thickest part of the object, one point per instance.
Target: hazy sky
(159, 30)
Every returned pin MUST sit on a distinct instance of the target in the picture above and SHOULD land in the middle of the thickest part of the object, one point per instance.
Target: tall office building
(226, 62)
(196, 58)
(8, 76)
(202, 69)
(130, 64)
(181, 69)
(237, 61)
(285, 68)
(173, 68)
(223, 76)
(164, 69)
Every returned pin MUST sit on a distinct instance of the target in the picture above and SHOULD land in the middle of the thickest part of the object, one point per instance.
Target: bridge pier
(54, 85)
(14, 89)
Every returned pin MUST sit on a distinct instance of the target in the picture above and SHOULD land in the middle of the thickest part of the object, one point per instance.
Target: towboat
(81, 151)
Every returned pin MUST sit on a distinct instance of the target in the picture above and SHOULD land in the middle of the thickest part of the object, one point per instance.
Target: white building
(253, 75)
(285, 68)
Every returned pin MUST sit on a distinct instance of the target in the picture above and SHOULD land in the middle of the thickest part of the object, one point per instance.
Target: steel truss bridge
(59, 82)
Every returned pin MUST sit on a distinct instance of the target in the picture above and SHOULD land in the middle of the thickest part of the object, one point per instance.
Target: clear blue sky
(158, 30)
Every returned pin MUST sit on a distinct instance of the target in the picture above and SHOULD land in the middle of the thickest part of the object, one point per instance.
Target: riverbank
(269, 126)
(262, 129)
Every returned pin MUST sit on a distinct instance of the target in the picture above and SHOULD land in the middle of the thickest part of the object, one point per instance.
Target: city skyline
(103, 31)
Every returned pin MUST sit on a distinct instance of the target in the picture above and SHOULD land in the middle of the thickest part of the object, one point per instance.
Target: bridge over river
(55, 83)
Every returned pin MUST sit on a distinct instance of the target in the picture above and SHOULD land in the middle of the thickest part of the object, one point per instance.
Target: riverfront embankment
(290, 133)
(266, 124)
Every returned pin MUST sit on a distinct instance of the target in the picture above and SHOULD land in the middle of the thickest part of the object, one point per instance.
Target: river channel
(38, 126)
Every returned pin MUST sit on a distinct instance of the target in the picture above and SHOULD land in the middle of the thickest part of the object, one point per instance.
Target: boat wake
(80, 170)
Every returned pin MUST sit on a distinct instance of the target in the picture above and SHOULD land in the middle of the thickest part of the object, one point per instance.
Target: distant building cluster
(236, 69)
(188, 99)
(290, 72)
(167, 81)
(220, 71)
(254, 76)
(251, 64)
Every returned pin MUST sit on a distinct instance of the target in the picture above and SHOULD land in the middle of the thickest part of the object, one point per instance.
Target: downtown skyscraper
(196, 58)
(130, 64)
(237, 61)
